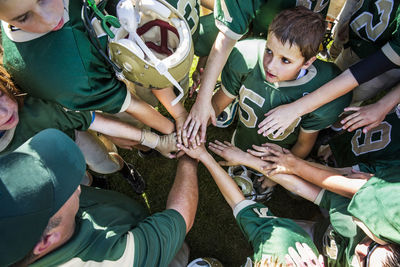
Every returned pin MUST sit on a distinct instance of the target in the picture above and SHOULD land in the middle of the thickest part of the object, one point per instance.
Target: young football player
(343, 242)
(232, 22)
(265, 74)
(51, 55)
(370, 53)
(21, 117)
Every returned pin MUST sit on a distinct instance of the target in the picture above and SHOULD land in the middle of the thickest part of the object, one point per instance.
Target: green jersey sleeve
(37, 115)
(233, 17)
(242, 60)
(269, 235)
(160, 237)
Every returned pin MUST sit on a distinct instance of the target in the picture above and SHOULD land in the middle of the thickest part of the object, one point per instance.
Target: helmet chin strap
(126, 12)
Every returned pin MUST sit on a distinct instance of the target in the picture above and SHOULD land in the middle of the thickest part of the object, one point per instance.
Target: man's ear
(47, 242)
(309, 62)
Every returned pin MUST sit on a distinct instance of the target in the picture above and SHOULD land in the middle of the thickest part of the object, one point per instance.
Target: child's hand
(195, 152)
(232, 155)
(369, 116)
(198, 120)
(303, 257)
(179, 121)
(167, 145)
(277, 120)
(278, 160)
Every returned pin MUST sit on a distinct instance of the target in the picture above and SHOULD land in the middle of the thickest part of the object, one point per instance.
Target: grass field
(215, 233)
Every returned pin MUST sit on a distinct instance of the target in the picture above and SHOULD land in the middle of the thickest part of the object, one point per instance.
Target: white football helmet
(153, 46)
(247, 180)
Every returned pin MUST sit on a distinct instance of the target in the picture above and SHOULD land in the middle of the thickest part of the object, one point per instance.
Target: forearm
(337, 87)
(149, 116)
(225, 183)
(290, 182)
(166, 96)
(329, 179)
(219, 54)
(390, 100)
(184, 194)
(304, 144)
(115, 128)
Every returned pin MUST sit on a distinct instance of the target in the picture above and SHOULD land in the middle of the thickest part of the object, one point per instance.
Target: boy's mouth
(10, 120)
(59, 25)
(270, 75)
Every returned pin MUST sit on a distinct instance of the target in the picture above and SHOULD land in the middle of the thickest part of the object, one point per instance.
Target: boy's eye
(268, 51)
(285, 60)
(23, 18)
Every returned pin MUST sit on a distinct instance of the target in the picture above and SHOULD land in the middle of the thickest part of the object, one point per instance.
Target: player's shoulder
(246, 55)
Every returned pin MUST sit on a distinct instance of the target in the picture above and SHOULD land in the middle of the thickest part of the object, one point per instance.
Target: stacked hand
(198, 119)
(369, 116)
(277, 121)
(277, 159)
(303, 257)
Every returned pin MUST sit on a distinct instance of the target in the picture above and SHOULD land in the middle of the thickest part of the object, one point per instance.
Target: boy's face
(37, 16)
(283, 62)
(8, 112)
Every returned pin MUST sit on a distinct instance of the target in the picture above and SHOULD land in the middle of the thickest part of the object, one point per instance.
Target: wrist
(149, 139)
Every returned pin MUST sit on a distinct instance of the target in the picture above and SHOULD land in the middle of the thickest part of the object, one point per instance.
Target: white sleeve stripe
(391, 54)
(127, 101)
(318, 199)
(228, 94)
(241, 205)
(228, 32)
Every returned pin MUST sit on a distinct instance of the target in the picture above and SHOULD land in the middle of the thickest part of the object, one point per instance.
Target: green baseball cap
(35, 182)
(377, 204)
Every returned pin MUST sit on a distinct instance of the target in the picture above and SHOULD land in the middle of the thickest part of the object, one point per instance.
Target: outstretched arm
(149, 116)
(202, 110)
(372, 115)
(225, 183)
(280, 118)
(184, 194)
(278, 160)
(165, 144)
(235, 156)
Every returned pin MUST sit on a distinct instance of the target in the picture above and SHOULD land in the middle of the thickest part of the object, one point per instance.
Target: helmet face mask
(165, 45)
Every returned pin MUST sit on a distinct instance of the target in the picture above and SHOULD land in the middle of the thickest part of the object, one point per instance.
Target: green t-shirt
(63, 66)
(234, 17)
(37, 115)
(268, 235)
(378, 145)
(338, 241)
(374, 25)
(114, 230)
(244, 77)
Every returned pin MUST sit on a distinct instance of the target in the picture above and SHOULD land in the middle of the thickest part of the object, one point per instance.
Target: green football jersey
(244, 77)
(234, 17)
(64, 66)
(37, 115)
(338, 241)
(379, 145)
(269, 235)
(373, 26)
(114, 230)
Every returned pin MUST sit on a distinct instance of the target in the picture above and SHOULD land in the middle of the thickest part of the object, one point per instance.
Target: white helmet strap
(126, 12)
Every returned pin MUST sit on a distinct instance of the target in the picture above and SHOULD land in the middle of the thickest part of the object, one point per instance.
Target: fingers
(187, 121)
(352, 109)
(370, 127)
(257, 153)
(203, 133)
(184, 140)
(190, 128)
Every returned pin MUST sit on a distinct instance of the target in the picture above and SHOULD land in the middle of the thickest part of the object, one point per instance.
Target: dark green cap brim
(35, 182)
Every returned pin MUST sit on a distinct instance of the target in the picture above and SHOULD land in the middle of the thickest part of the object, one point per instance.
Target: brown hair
(8, 87)
(299, 26)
